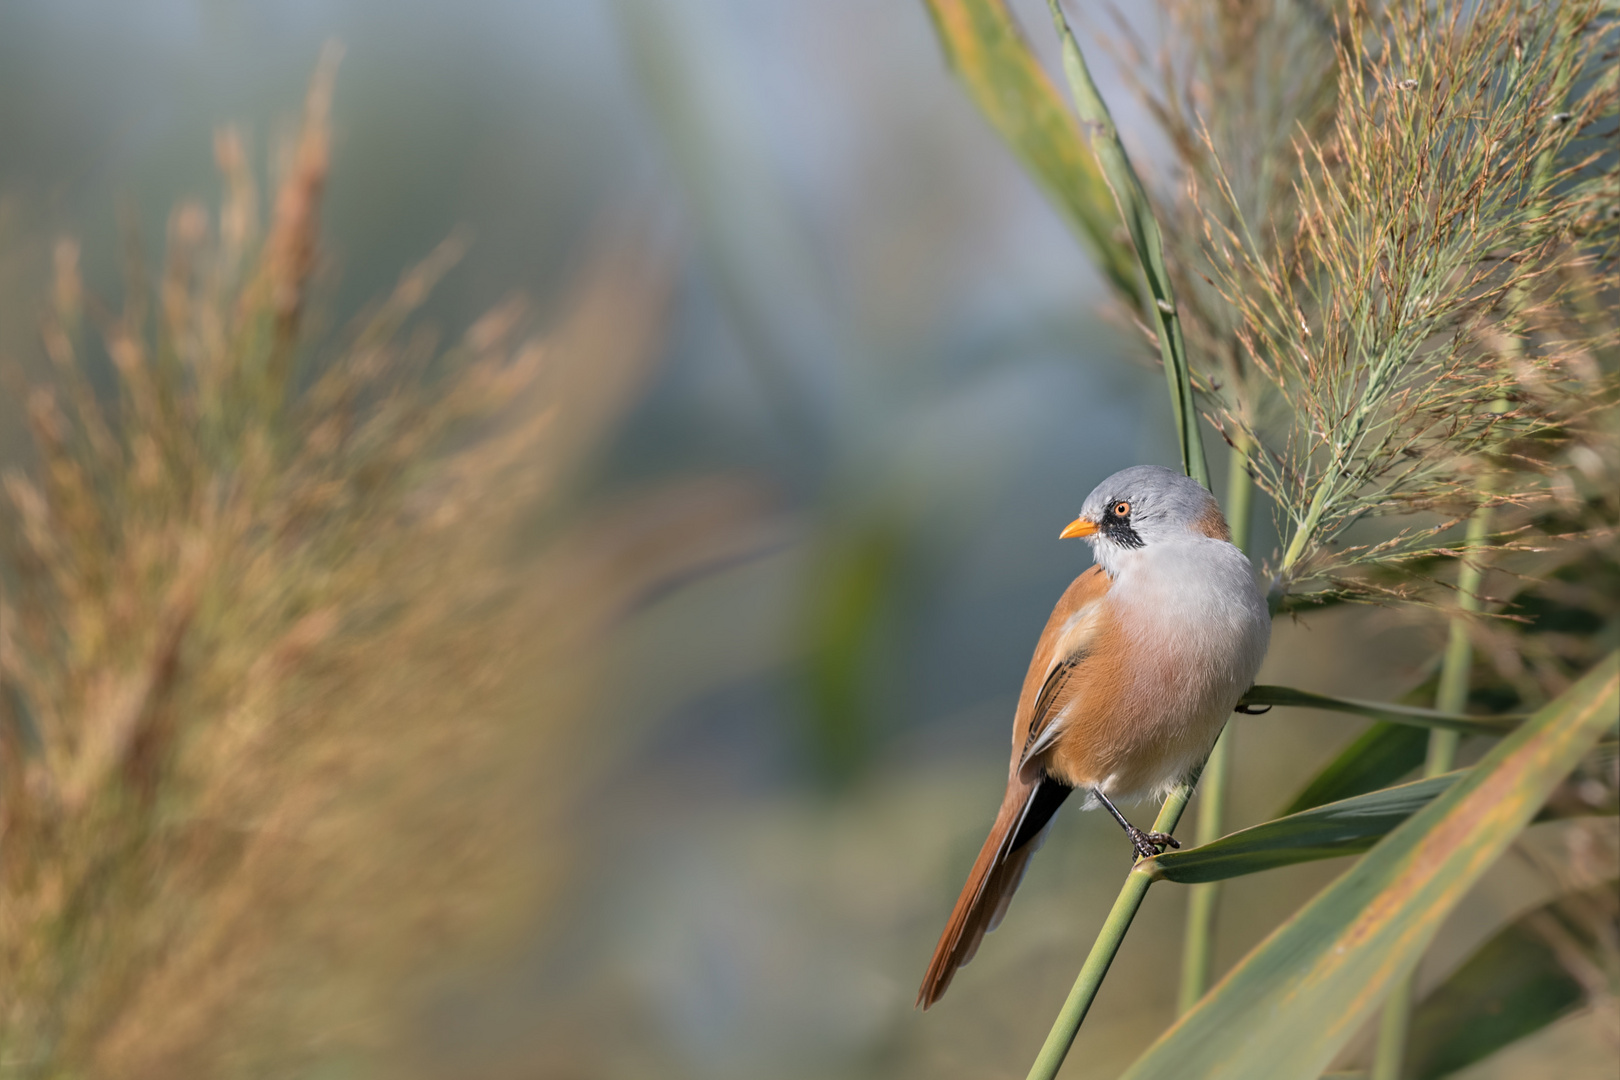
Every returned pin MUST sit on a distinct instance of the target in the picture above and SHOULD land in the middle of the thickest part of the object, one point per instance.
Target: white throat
(1113, 557)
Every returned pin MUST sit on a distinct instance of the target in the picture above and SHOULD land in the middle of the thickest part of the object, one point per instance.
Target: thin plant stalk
(1103, 950)
(1198, 941)
(1451, 696)
(1159, 302)
(1203, 900)
(1136, 212)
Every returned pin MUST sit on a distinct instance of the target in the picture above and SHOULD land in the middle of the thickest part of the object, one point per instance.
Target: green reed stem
(1203, 900)
(1159, 304)
(1103, 950)
(1158, 294)
(1198, 941)
(1452, 696)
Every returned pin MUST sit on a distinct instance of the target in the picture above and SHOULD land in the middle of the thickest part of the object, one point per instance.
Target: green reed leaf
(1293, 1002)
(982, 42)
(1378, 710)
(1514, 985)
(1159, 297)
(1346, 827)
(859, 582)
(1378, 758)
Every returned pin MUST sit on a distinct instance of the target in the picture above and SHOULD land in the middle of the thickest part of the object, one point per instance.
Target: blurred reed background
(582, 646)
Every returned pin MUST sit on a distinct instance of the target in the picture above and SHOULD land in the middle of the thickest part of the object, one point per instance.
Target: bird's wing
(1032, 797)
(1061, 653)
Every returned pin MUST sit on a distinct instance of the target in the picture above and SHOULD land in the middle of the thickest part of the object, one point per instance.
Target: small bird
(1144, 658)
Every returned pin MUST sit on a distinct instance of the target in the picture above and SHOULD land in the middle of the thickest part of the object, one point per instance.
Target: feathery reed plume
(279, 685)
(1421, 317)
(295, 227)
(1234, 84)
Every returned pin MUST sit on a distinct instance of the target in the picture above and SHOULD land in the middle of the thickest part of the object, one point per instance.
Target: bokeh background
(872, 332)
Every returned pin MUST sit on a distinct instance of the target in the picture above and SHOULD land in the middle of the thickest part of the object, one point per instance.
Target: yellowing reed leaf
(1293, 1002)
(983, 44)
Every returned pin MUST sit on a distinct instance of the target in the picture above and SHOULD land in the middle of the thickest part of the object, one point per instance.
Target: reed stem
(1158, 296)
(1451, 696)
(1203, 901)
(1103, 950)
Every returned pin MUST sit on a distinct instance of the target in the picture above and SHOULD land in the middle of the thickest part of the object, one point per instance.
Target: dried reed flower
(1422, 317)
(1237, 82)
(278, 683)
(294, 229)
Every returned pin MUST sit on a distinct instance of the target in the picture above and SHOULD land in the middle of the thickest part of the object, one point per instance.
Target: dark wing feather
(1048, 704)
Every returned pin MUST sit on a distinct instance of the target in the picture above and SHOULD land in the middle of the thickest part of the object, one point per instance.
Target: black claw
(1149, 844)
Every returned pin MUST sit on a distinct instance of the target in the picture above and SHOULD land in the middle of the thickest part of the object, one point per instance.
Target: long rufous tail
(1020, 827)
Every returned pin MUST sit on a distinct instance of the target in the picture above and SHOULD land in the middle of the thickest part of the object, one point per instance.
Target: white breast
(1199, 627)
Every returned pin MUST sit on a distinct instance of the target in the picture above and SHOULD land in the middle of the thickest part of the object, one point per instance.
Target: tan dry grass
(292, 710)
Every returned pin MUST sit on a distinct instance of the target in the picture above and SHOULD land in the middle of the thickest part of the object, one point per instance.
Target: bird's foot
(1149, 844)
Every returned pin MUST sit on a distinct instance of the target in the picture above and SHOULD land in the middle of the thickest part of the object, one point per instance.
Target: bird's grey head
(1146, 505)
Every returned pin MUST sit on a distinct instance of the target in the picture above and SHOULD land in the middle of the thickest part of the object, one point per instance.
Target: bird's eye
(1121, 509)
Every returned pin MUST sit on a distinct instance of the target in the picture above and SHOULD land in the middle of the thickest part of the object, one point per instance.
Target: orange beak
(1078, 527)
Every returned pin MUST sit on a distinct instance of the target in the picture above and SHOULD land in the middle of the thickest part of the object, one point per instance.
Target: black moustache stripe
(1120, 532)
